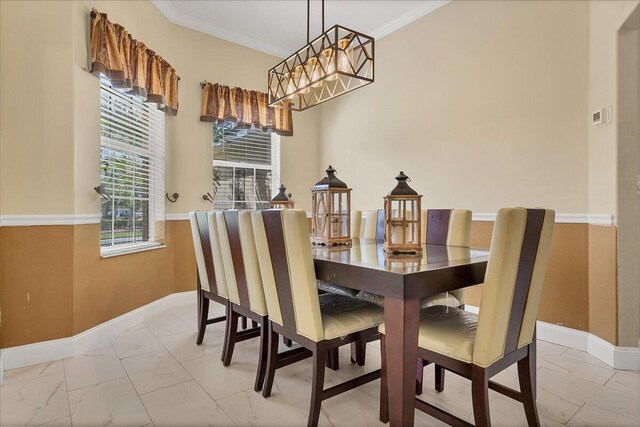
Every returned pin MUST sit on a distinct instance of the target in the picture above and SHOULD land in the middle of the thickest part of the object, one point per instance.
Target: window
(131, 172)
(246, 168)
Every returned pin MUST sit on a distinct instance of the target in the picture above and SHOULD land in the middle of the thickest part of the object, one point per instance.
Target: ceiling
(279, 27)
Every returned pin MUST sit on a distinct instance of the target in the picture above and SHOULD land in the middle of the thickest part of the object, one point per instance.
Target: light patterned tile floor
(154, 374)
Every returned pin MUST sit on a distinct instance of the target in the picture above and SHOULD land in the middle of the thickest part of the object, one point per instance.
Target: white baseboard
(614, 356)
(94, 338)
(100, 336)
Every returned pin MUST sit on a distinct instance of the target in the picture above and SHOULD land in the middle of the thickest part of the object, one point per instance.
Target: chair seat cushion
(448, 331)
(342, 315)
(444, 298)
(335, 289)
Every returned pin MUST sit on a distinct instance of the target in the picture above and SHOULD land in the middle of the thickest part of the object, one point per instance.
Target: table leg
(401, 319)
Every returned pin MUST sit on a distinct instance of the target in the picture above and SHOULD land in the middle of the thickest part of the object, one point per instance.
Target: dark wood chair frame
(319, 350)
(205, 296)
(524, 356)
(242, 310)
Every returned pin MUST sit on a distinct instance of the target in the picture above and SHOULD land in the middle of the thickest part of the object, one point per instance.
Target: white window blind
(131, 172)
(246, 168)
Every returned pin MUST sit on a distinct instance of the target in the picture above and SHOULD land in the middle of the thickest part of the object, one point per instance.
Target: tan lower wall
(185, 270)
(54, 283)
(36, 283)
(577, 294)
(603, 306)
(104, 288)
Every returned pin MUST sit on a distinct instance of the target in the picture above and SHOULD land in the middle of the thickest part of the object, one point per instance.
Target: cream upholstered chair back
(292, 264)
(266, 268)
(356, 223)
(251, 264)
(216, 254)
(451, 227)
(225, 253)
(513, 282)
(203, 272)
(374, 225)
(240, 261)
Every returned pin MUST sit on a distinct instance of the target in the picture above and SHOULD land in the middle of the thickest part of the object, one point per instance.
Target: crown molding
(407, 18)
(62, 219)
(176, 17)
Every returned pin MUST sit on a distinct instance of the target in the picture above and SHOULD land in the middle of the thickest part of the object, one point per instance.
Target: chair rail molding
(54, 219)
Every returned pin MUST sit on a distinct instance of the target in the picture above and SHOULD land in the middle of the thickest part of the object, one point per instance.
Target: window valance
(131, 65)
(243, 108)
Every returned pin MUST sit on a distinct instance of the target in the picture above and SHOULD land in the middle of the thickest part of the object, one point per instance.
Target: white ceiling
(279, 27)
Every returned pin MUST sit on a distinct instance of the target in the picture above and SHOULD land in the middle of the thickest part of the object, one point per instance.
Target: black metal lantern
(402, 219)
(281, 200)
(331, 211)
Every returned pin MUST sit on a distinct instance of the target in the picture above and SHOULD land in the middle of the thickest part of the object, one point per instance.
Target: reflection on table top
(369, 253)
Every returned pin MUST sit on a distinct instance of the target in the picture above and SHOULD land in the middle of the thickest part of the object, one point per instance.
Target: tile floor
(154, 374)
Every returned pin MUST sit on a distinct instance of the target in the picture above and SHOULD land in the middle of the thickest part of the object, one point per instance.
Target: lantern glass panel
(319, 201)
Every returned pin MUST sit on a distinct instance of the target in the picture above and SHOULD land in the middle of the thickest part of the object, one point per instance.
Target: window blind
(131, 171)
(246, 168)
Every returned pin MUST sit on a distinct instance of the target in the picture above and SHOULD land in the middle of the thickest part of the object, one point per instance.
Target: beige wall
(36, 126)
(53, 282)
(50, 165)
(482, 104)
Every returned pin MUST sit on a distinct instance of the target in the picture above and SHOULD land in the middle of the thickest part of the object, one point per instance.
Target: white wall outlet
(601, 117)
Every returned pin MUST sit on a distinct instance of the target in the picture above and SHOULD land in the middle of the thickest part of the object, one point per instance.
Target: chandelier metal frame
(338, 61)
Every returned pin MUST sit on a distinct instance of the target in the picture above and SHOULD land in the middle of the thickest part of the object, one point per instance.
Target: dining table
(403, 280)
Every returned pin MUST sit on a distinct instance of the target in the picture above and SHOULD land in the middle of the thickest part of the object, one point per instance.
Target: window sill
(113, 252)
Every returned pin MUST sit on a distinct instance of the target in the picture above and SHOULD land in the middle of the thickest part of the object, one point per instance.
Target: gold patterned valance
(130, 65)
(243, 108)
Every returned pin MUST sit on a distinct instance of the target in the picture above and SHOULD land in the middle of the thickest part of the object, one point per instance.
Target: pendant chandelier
(336, 62)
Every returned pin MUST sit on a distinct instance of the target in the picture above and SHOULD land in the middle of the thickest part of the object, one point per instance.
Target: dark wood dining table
(403, 280)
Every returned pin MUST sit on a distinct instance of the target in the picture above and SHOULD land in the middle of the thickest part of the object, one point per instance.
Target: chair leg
(244, 322)
(354, 352)
(317, 386)
(527, 378)
(203, 314)
(287, 341)
(230, 336)
(361, 347)
(254, 324)
(262, 358)
(384, 390)
(333, 359)
(419, 375)
(440, 378)
(480, 396)
(272, 360)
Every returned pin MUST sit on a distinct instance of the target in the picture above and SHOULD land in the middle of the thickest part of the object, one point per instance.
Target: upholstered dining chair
(317, 322)
(356, 223)
(373, 225)
(244, 284)
(208, 285)
(450, 227)
(478, 347)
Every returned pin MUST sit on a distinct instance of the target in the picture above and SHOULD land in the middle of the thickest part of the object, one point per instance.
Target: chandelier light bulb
(329, 64)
